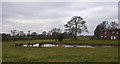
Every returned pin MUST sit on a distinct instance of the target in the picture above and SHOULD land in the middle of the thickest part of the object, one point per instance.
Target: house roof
(109, 30)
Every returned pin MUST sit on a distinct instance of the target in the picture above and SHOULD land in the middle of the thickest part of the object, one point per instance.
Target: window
(116, 37)
(111, 37)
(113, 32)
(109, 33)
(117, 33)
(105, 37)
(105, 32)
(101, 36)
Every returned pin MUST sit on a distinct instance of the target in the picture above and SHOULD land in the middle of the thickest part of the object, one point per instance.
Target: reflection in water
(62, 45)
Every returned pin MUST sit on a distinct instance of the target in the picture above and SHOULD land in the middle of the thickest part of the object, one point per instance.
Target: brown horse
(30, 44)
(21, 44)
(40, 44)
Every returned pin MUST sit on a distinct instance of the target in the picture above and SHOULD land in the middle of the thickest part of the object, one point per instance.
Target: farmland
(10, 53)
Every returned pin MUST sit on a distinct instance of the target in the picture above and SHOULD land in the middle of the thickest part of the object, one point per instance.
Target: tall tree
(34, 34)
(101, 26)
(113, 25)
(104, 26)
(14, 32)
(49, 33)
(58, 30)
(44, 33)
(21, 33)
(28, 33)
(55, 32)
(96, 31)
(76, 25)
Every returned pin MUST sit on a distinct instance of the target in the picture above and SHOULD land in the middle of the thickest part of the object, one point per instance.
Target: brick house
(111, 34)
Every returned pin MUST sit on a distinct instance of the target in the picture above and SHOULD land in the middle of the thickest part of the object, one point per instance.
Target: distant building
(111, 34)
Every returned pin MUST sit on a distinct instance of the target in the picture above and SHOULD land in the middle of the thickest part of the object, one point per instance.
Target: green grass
(0, 51)
(59, 54)
(16, 54)
(82, 40)
(26, 41)
(88, 41)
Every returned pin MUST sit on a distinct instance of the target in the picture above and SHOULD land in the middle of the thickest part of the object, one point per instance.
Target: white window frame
(101, 36)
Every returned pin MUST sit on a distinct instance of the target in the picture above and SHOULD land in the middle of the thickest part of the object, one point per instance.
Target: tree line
(73, 27)
(20, 35)
(76, 25)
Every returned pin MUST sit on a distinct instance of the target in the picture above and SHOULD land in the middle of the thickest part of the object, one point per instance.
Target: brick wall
(109, 34)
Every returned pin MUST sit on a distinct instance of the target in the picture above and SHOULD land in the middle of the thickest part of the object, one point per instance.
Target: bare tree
(104, 26)
(76, 25)
(96, 31)
(113, 25)
(58, 30)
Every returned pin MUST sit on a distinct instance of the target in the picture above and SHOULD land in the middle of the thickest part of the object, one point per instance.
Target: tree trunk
(75, 34)
(74, 37)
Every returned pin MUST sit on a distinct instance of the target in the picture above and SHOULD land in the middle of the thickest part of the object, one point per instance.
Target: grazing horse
(29, 44)
(16, 44)
(40, 44)
(21, 44)
(92, 45)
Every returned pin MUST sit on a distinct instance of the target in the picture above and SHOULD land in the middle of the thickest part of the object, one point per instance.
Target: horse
(40, 44)
(30, 44)
(21, 44)
(16, 44)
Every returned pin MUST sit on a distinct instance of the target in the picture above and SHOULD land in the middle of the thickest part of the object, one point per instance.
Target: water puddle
(62, 45)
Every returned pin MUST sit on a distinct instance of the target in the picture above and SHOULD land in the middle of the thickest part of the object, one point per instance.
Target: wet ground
(63, 45)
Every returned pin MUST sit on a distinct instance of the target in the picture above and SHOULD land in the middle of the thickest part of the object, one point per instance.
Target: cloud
(0, 17)
(60, 0)
(43, 16)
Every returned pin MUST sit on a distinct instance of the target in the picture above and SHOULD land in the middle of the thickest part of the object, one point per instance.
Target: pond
(63, 45)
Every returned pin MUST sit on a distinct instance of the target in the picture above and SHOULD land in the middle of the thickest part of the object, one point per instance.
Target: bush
(60, 37)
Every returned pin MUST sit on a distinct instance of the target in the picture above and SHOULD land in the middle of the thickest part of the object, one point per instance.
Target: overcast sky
(43, 16)
(60, 0)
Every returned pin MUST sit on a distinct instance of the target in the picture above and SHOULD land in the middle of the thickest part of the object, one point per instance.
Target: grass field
(79, 40)
(59, 54)
(88, 41)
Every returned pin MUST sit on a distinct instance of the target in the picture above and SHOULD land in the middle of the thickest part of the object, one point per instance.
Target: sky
(43, 16)
(60, 0)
